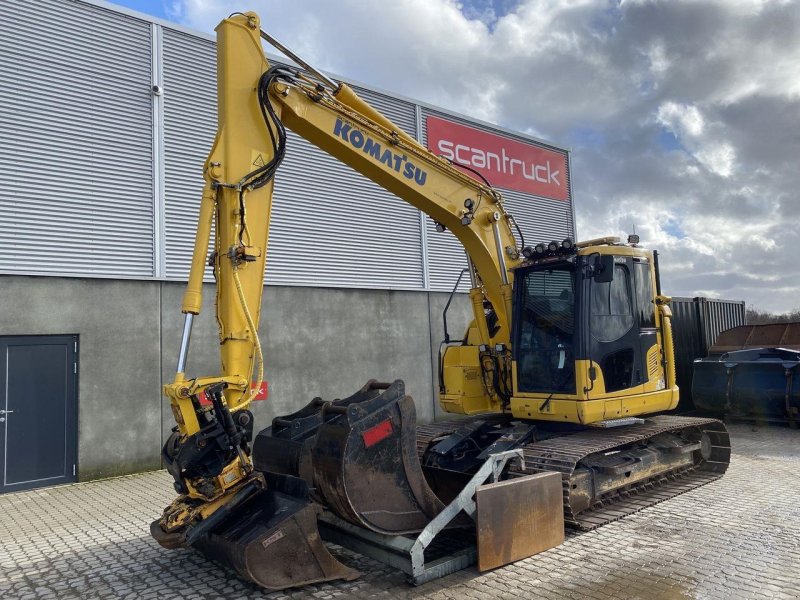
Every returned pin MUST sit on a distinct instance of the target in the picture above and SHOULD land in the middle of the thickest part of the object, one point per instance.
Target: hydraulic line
(251, 325)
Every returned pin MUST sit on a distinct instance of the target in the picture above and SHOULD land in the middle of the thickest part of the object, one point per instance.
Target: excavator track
(564, 454)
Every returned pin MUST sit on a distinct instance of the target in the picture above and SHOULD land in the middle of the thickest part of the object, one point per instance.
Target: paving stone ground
(738, 537)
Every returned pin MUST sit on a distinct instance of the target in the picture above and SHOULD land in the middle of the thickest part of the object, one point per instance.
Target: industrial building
(107, 118)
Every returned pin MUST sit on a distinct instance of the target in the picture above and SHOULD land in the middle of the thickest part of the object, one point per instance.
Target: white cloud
(720, 201)
(689, 127)
(718, 158)
(681, 119)
(657, 55)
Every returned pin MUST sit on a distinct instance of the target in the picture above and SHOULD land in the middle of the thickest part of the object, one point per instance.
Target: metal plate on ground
(518, 518)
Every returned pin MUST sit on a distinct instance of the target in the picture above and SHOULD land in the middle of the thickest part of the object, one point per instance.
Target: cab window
(612, 321)
(612, 306)
(546, 328)
(644, 296)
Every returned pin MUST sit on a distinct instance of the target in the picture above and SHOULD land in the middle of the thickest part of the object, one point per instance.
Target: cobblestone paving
(735, 538)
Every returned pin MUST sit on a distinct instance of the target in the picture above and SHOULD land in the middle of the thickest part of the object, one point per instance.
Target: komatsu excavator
(568, 357)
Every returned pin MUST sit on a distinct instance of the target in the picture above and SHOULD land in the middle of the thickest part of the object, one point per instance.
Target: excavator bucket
(359, 454)
(273, 541)
(270, 538)
(366, 465)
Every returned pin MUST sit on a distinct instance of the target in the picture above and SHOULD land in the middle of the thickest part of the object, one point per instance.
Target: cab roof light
(553, 248)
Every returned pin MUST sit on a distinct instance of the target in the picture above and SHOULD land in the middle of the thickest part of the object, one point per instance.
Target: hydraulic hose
(252, 326)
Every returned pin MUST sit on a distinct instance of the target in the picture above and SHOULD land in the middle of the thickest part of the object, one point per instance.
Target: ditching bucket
(360, 456)
(271, 538)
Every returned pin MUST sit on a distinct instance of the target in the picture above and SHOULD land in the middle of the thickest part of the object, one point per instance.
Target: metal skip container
(696, 323)
(752, 371)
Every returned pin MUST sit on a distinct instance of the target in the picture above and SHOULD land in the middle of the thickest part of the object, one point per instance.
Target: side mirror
(604, 268)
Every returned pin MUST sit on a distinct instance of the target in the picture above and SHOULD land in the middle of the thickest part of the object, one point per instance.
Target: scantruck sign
(505, 163)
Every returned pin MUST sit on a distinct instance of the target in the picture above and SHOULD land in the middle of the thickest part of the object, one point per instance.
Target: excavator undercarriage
(607, 473)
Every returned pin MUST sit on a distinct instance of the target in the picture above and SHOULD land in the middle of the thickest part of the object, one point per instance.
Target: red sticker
(263, 393)
(379, 432)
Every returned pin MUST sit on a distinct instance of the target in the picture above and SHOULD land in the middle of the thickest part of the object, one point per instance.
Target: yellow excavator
(568, 357)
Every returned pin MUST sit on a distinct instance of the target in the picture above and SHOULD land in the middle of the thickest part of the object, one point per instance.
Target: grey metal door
(38, 410)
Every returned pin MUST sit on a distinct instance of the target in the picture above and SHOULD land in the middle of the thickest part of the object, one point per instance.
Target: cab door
(645, 317)
(614, 340)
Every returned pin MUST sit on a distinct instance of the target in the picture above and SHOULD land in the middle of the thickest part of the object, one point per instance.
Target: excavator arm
(255, 102)
(236, 202)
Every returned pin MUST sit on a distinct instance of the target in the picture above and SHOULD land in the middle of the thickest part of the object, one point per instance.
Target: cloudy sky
(683, 116)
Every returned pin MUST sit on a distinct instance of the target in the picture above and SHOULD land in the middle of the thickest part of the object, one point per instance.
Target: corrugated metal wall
(696, 323)
(334, 228)
(190, 124)
(106, 177)
(718, 315)
(76, 188)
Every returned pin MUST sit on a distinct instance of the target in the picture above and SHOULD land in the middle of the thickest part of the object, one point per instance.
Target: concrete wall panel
(119, 361)
(316, 342)
(329, 342)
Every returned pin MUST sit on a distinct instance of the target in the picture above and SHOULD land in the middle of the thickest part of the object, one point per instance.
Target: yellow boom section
(344, 126)
(241, 215)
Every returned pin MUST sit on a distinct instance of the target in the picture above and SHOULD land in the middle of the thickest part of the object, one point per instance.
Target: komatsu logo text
(398, 162)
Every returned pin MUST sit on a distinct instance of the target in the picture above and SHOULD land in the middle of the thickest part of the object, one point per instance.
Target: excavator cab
(590, 340)
(595, 304)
